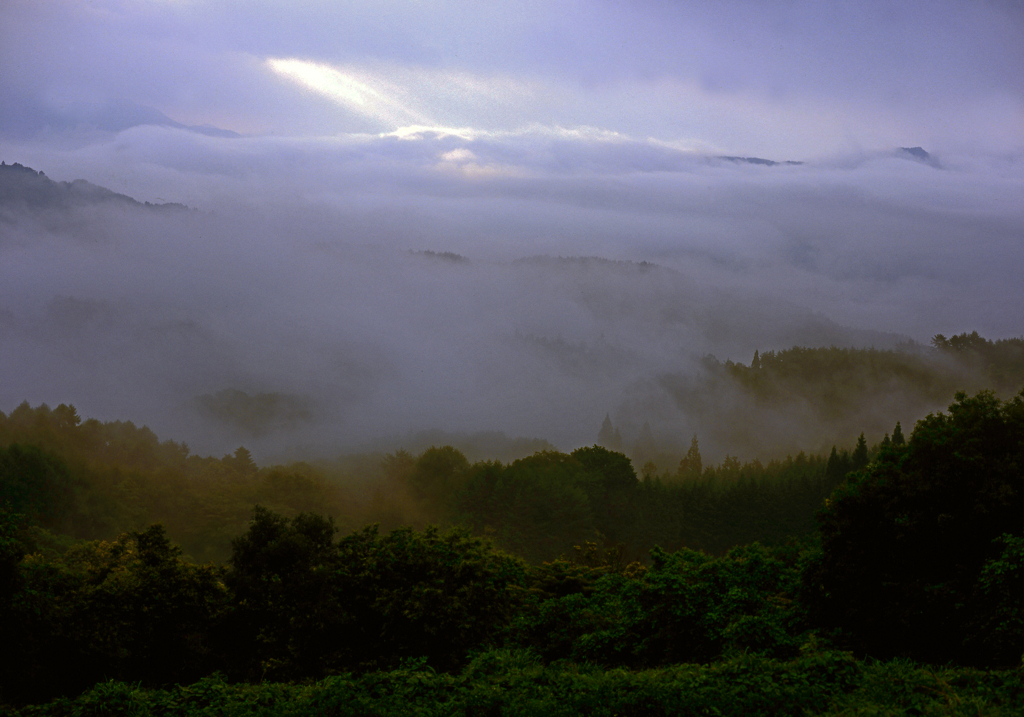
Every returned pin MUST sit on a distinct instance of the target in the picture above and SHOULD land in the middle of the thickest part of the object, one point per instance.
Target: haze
(386, 196)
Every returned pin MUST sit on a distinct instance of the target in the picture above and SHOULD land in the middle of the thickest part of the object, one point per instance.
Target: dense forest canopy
(548, 560)
(784, 516)
(91, 479)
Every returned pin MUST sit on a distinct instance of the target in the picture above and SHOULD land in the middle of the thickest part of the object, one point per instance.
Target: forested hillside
(161, 582)
(92, 480)
(811, 398)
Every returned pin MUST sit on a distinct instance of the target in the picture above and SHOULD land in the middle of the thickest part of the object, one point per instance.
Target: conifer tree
(897, 435)
(834, 468)
(691, 466)
(860, 453)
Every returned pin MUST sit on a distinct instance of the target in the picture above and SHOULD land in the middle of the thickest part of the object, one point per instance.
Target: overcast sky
(355, 131)
(781, 79)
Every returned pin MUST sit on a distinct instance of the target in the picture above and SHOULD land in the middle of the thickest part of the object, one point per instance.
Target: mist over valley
(320, 297)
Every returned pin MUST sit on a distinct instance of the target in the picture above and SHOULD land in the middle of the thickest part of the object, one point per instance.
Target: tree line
(930, 532)
(129, 565)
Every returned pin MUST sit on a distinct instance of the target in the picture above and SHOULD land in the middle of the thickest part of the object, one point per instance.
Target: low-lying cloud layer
(375, 284)
(338, 155)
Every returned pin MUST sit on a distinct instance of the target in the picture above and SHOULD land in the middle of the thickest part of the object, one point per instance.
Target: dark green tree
(904, 542)
(897, 435)
(615, 469)
(439, 473)
(425, 594)
(131, 609)
(691, 466)
(859, 459)
(36, 484)
(613, 494)
(242, 461)
(286, 620)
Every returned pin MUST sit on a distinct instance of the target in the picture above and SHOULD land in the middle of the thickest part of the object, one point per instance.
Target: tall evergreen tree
(834, 467)
(860, 453)
(897, 435)
(691, 466)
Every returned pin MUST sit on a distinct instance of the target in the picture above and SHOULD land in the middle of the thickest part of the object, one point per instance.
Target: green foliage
(284, 611)
(436, 475)
(305, 606)
(131, 609)
(687, 607)
(859, 458)
(920, 533)
(906, 541)
(995, 624)
(12, 550)
(691, 466)
(615, 470)
(37, 484)
(536, 507)
(827, 394)
(93, 480)
(430, 594)
(513, 682)
(897, 435)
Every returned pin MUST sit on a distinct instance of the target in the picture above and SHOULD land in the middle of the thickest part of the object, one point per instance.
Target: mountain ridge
(21, 185)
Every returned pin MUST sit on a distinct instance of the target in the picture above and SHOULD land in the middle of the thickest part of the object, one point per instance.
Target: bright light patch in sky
(397, 96)
(348, 91)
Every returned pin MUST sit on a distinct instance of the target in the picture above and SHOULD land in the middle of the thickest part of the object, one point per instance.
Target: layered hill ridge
(26, 187)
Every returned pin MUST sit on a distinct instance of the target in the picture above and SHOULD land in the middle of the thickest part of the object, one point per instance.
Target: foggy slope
(319, 292)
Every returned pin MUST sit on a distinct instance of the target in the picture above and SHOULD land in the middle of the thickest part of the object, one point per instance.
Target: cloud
(792, 79)
(295, 279)
(499, 133)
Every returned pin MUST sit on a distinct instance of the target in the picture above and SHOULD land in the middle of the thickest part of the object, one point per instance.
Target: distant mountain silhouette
(24, 186)
(26, 117)
(756, 160)
(920, 154)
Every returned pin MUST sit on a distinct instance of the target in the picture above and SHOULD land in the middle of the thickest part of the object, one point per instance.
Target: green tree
(897, 435)
(439, 473)
(614, 469)
(425, 594)
(37, 484)
(859, 459)
(691, 466)
(537, 507)
(241, 461)
(130, 609)
(904, 542)
(613, 495)
(286, 621)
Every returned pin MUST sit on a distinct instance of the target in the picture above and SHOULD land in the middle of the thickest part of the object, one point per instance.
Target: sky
(785, 80)
(321, 142)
